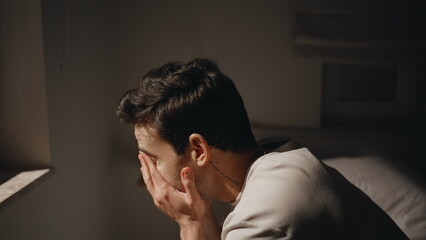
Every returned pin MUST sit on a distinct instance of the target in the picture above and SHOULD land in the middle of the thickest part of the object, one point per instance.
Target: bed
(398, 190)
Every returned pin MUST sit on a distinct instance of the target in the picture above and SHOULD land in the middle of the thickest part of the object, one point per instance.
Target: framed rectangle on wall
(372, 94)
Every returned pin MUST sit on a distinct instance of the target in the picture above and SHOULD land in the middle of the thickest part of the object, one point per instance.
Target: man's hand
(187, 208)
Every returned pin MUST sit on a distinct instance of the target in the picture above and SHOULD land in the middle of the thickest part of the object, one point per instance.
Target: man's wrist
(192, 231)
(200, 230)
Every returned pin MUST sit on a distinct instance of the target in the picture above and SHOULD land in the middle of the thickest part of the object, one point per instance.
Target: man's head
(180, 99)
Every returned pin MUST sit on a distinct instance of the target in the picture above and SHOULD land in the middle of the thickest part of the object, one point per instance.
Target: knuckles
(161, 197)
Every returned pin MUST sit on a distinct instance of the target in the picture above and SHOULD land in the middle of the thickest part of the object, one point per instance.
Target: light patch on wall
(17, 183)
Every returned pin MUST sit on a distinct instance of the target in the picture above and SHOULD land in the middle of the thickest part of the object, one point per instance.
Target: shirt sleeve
(277, 201)
(240, 229)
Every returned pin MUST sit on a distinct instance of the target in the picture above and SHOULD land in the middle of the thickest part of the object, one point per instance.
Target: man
(196, 145)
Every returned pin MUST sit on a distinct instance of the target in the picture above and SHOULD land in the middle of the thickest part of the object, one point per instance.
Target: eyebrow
(147, 153)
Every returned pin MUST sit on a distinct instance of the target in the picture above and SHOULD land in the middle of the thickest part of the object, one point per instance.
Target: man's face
(168, 163)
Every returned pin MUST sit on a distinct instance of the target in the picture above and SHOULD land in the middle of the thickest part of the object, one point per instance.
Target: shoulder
(279, 191)
(299, 164)
(282, 193)
(280, 174)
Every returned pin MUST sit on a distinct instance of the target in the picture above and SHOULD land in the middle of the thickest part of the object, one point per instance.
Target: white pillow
(400, 192)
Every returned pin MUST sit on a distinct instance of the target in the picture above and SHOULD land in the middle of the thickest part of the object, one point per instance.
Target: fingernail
(187, 173)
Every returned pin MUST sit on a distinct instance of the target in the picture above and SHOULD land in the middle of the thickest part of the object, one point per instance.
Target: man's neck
(230, 170)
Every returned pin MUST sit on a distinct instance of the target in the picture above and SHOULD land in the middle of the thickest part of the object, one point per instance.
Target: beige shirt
(293, 195)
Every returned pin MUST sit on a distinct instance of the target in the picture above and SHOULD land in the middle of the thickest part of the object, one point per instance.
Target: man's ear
(200, 149)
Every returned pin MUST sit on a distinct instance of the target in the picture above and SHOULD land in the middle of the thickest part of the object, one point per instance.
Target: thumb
(188, 181)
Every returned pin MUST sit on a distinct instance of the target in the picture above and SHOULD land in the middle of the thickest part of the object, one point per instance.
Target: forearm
(208, 229)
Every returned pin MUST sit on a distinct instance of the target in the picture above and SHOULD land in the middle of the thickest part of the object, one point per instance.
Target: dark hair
(179, 99)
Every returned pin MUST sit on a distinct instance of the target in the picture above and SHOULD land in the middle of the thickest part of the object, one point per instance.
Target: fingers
(188, 181)
(157, 179)
(146, 172)
(150, 173)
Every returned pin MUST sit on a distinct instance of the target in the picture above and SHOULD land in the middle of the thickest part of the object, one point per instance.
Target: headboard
(407, 146)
